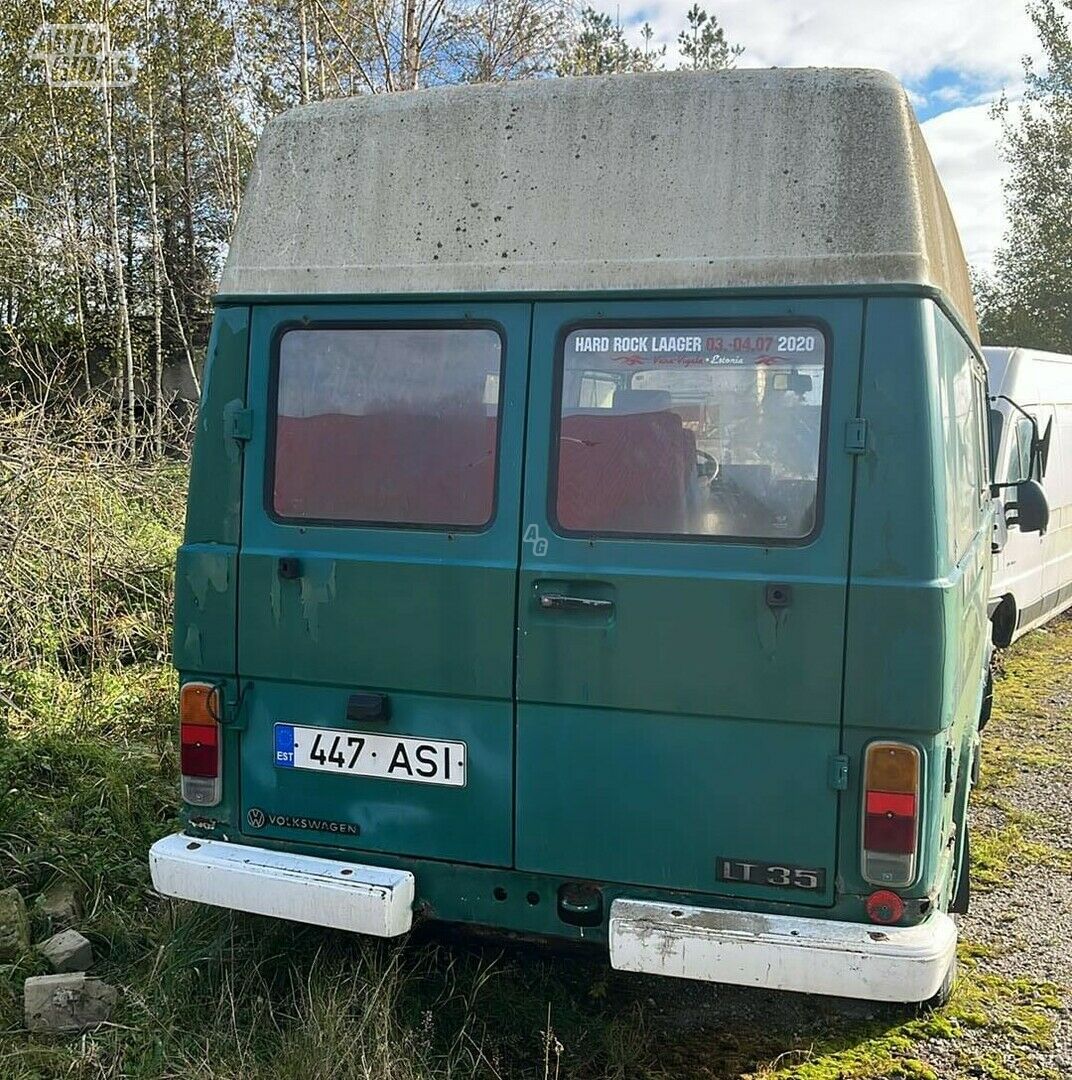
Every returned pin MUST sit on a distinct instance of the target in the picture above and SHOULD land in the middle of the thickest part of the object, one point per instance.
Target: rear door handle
(558, 602)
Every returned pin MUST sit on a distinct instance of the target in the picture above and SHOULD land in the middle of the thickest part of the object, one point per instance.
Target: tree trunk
(411, 42)
(303, 56)
(188, 286)
(318, 48)
(154, 225)
(126, 346)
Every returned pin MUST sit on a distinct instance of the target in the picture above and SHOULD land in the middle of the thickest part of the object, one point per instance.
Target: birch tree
(1029, 299)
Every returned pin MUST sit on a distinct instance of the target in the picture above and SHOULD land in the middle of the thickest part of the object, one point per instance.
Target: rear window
(394, 426)
(690, 432)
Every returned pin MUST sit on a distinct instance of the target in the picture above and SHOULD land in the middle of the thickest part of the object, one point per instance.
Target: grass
(87, 781)
(210, 994)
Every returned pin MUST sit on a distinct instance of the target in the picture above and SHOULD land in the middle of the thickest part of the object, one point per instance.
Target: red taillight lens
(199, 743)
(200, 750)
(891, 791)
(890, 823)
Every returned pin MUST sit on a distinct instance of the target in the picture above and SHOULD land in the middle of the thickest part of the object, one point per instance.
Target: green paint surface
(633, 750)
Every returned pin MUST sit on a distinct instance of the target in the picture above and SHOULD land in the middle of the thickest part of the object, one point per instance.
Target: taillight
(890, 813)
(199, 743)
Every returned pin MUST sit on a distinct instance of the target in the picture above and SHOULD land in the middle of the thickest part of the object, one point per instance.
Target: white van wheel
(1003, 622)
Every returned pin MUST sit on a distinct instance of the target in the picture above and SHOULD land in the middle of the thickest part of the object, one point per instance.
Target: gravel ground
(1012, 1017)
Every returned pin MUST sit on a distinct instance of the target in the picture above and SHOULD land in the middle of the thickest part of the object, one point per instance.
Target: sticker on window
(691, 432)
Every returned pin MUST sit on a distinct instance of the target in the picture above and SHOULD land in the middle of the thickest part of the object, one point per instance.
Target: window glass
(982, 437)
(997, 427)
(395, 426)
(1019, 467)
(964, 411)
(691, 431)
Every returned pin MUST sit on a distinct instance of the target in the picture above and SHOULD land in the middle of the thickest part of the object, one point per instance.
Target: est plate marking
(772, 875)
(368, 753)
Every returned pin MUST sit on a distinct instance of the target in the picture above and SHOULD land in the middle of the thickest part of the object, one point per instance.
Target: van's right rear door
(684, 569)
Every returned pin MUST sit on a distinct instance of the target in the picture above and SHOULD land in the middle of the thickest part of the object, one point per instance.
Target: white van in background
(1032, 573)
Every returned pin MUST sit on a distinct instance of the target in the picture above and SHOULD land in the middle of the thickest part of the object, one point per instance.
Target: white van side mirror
(1031, 507)
(1028, 509)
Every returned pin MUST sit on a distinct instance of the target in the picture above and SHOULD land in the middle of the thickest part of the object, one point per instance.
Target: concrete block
(70, 1002)
(60, 903)
(14, 926)
(68, 951)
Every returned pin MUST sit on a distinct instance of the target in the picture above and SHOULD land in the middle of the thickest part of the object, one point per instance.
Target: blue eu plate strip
(284, 745)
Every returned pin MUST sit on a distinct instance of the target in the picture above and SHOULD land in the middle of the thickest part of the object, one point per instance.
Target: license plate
(367, 753)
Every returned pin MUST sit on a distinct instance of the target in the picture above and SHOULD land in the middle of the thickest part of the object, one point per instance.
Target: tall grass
(87, 782)
(87, 542)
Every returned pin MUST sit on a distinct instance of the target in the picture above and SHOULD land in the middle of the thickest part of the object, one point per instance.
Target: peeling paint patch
(205, 570)
(317, 588)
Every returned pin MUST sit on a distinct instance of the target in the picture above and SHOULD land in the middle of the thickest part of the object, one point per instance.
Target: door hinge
(856, 435)
(234, 709)
(839, 772)
(237, 421)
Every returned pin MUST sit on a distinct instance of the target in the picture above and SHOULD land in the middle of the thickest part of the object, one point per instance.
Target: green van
(590, 530)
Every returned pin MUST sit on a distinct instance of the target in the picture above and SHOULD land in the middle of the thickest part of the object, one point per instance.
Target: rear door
(682, 597)
(378, 576)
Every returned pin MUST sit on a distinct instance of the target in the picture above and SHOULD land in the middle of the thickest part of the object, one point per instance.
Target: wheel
(988, 700)
(939, 999)
(962, 896)
(943, 994)
(1004, 622)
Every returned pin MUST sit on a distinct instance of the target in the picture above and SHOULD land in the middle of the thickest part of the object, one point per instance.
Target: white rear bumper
(781, 952)
(325, 892)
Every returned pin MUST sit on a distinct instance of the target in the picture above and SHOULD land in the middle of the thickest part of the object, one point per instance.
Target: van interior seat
(623, 472)
(390, 466)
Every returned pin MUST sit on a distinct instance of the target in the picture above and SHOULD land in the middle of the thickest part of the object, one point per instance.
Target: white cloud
(964, 145)
(911, 38)
(957, 55)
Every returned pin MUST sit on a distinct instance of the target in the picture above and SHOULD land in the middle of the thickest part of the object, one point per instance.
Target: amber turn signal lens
(199, 703)
(892, 767)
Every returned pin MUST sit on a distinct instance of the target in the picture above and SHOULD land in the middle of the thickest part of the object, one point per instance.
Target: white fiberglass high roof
(673, 180)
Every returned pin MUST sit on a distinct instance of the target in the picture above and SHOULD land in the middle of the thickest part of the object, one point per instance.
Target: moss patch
(1029, 728)
(1017, 1012)
(996, 853)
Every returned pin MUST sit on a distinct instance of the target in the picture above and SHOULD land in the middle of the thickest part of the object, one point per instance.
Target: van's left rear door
(379, 566)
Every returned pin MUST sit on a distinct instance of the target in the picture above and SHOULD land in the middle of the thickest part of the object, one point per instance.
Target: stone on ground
(71, 1002)
(14, 926)
(68, 951)
(60, 903)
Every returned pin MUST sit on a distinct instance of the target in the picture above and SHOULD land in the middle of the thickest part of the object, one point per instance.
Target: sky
(955, 57)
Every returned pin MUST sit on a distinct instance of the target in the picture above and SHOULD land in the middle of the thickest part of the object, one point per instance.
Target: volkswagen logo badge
(255, 818)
